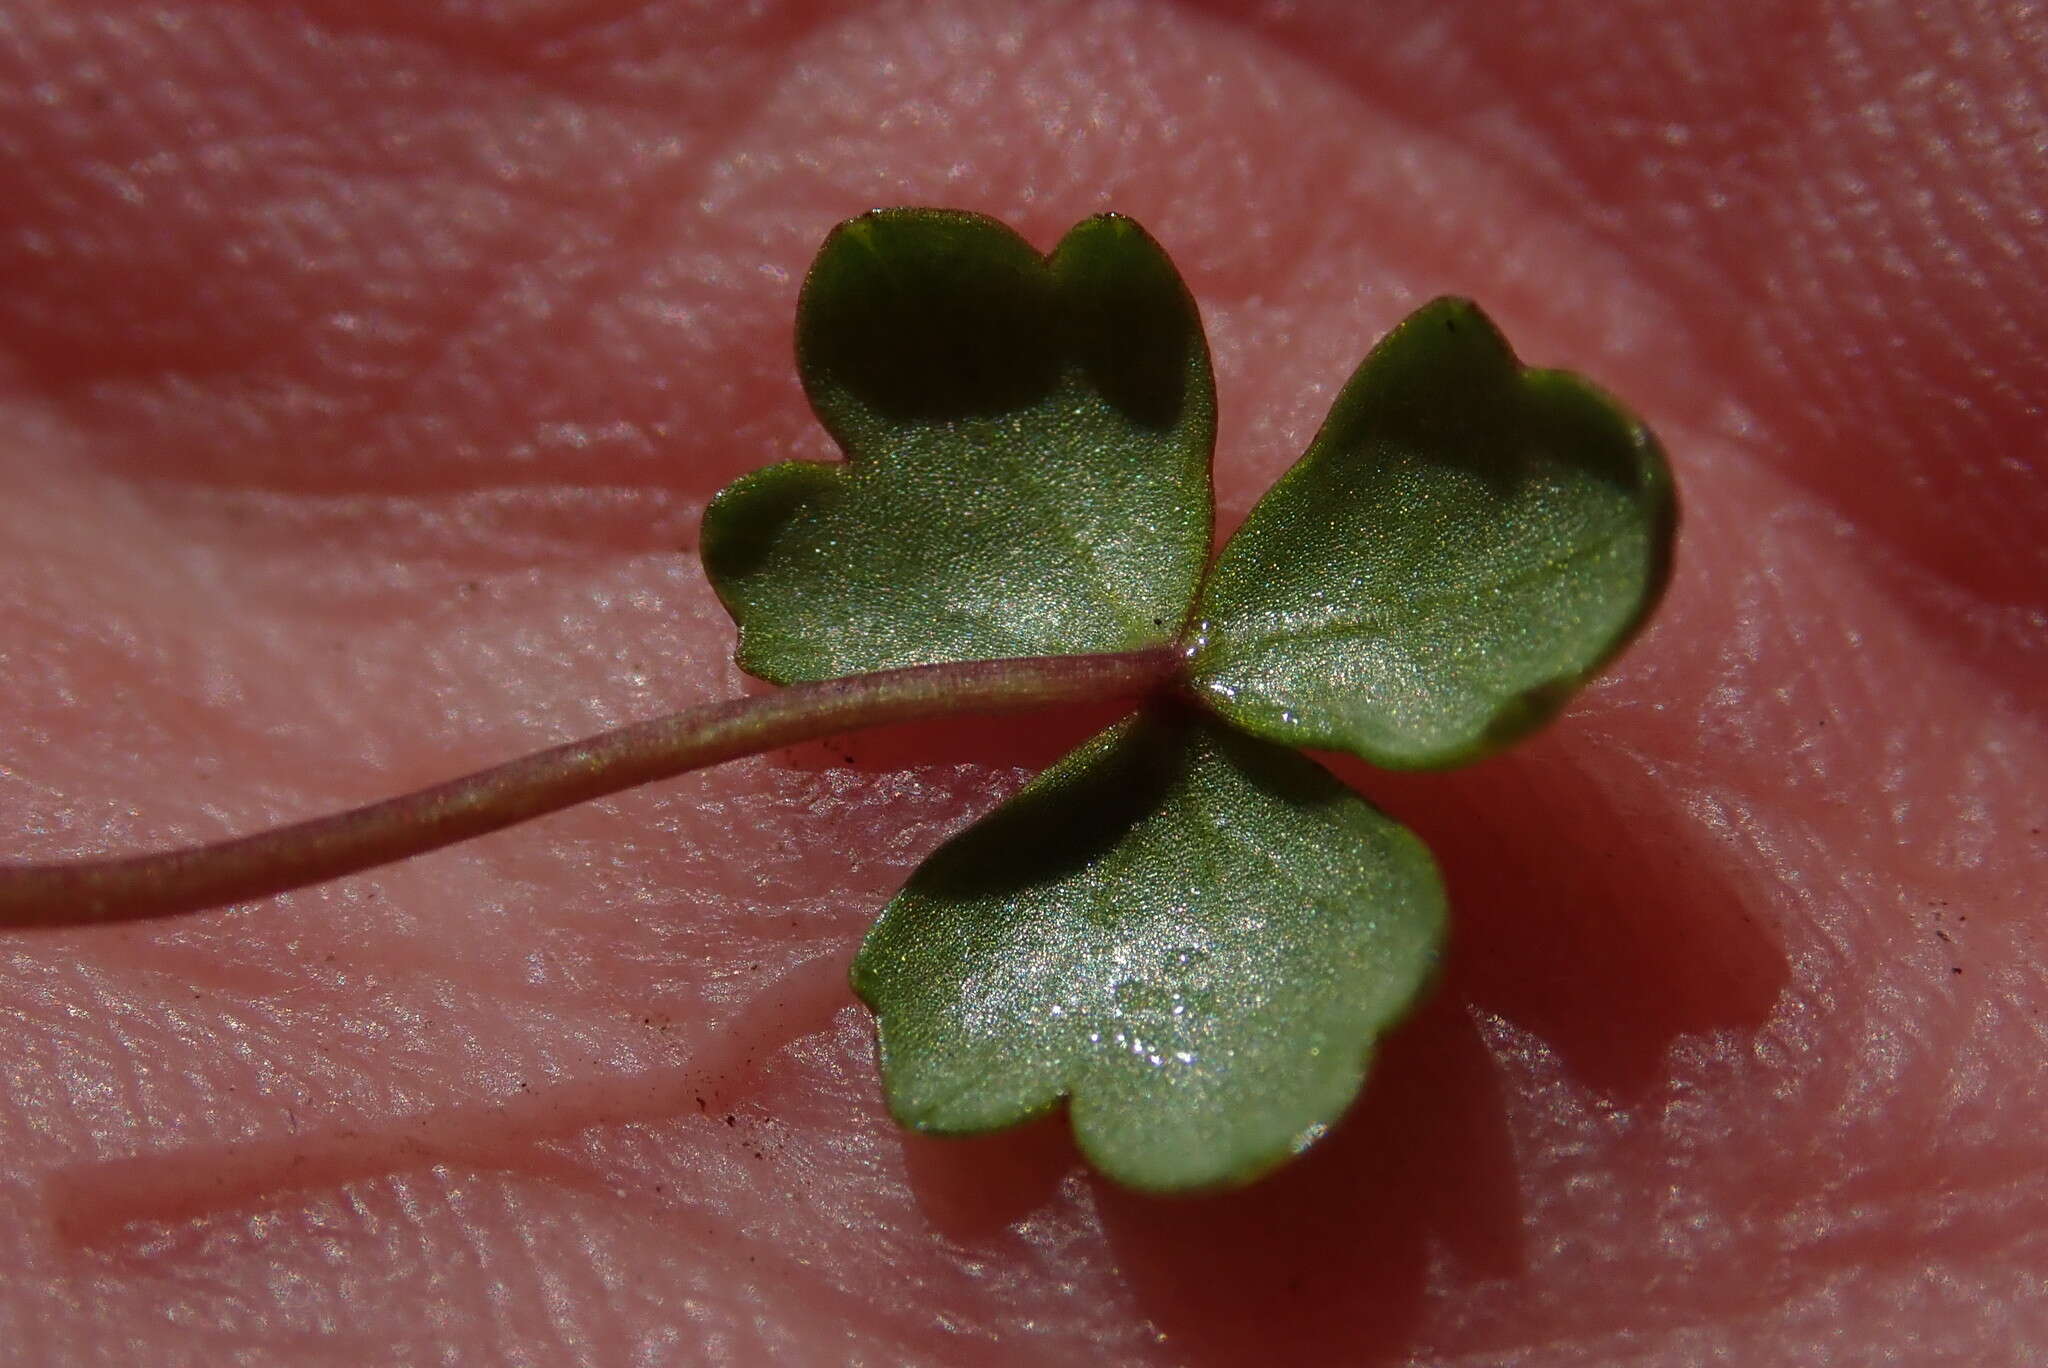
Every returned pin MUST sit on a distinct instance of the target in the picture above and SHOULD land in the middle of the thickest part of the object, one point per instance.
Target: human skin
(364, 369)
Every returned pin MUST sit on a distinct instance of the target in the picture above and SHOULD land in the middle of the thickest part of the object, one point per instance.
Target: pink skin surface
(364, 368)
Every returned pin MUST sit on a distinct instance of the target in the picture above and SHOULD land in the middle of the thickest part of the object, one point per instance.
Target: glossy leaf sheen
(1463, 544)
(1027, 444)
(1194, 935)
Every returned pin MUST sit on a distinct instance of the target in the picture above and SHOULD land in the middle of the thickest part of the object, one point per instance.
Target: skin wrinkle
(504, 280)
(93, 1202)
(1578, 1282)
(1857, 58)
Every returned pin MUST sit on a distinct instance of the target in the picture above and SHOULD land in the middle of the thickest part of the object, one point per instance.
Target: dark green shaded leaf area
(1193, 935)
(1462, 546)
(1027, 443)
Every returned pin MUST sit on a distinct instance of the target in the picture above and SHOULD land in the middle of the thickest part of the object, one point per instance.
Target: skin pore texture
(364, 369)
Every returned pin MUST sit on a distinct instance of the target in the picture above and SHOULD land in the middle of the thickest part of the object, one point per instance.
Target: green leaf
(1192, 936)
(1463, 544)
(1195, 936)
(1027, 442)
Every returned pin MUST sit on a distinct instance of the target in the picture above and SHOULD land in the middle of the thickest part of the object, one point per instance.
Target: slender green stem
(139, 887)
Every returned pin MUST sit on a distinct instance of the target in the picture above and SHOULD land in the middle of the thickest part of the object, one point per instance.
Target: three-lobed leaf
(1027, 444)
(1190, 934)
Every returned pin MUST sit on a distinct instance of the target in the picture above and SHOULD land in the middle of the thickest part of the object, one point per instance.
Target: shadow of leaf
(1600, 925)
(1326, 1261)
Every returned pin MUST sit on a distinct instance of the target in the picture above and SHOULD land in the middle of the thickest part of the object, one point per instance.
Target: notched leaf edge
(1157, 378)
(1302, 1070)
(1647, 478)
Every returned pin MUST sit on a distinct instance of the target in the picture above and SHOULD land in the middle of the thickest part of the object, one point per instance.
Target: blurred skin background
(364, 369)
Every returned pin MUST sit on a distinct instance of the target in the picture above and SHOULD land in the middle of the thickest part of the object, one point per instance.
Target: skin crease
(364, 369)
